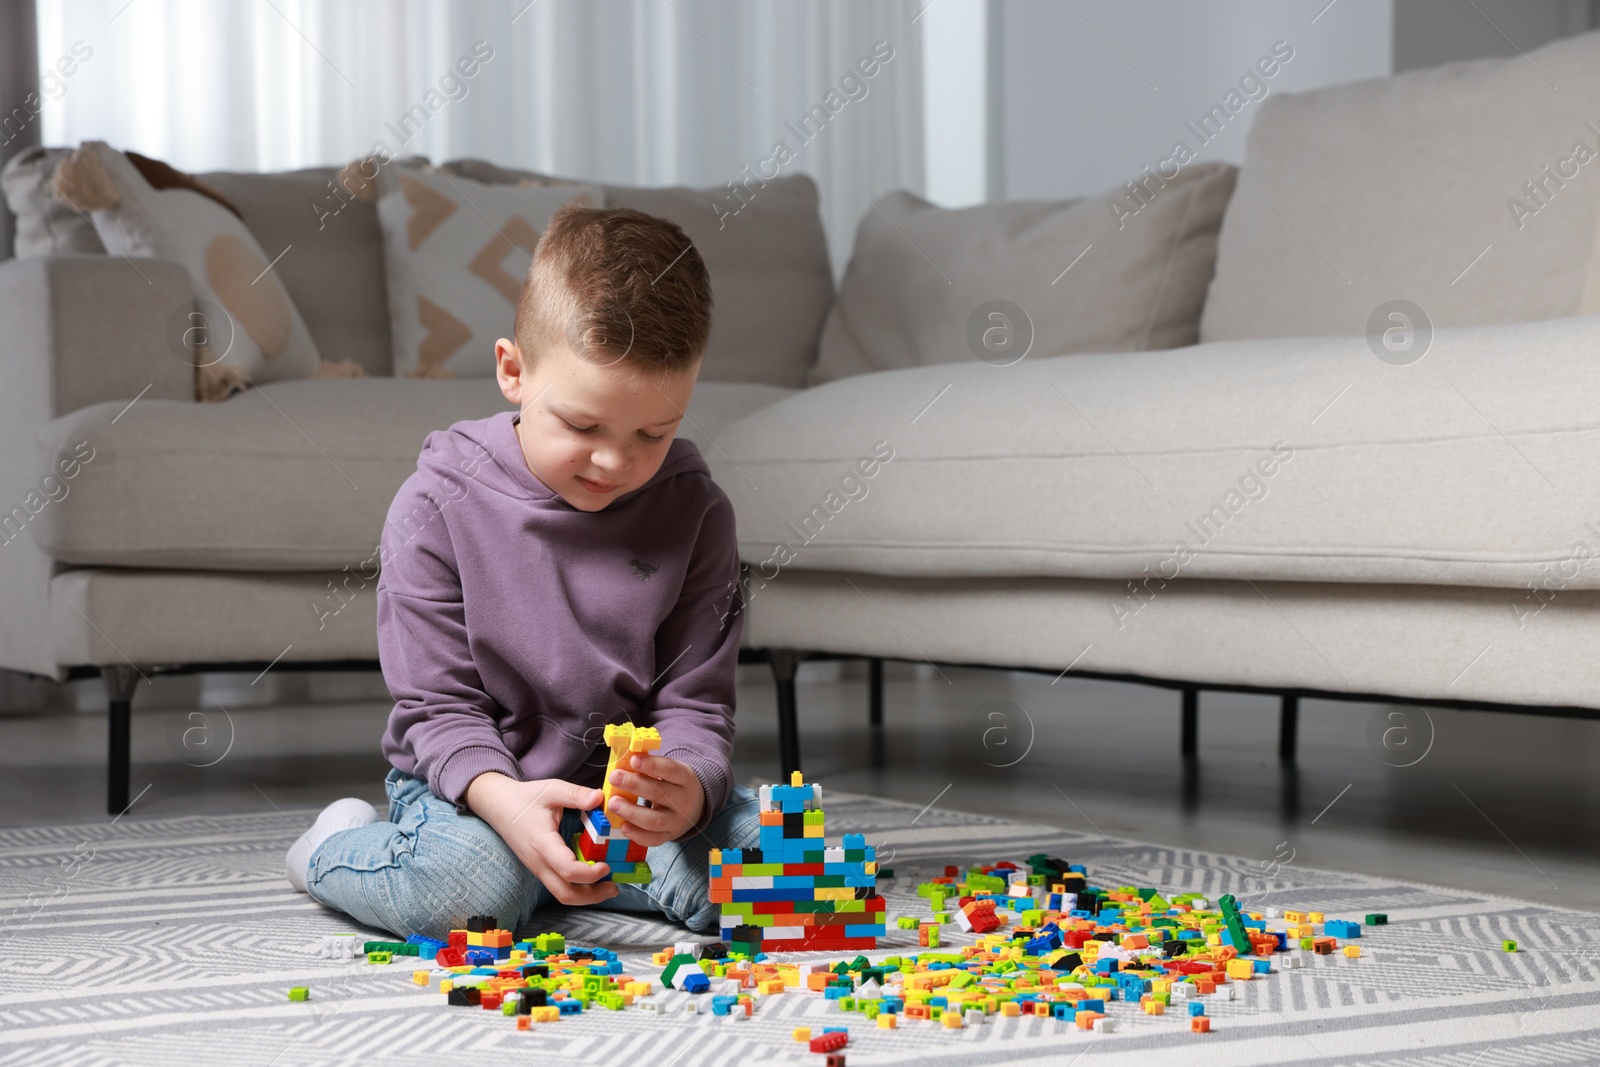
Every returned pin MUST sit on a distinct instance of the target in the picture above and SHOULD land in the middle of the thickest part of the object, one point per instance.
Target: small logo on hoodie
(642, 570)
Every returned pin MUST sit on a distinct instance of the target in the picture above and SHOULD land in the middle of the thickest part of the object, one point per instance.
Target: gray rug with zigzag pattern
(162, 941)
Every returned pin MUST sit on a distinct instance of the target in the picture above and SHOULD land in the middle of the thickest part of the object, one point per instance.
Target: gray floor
(1501, 803)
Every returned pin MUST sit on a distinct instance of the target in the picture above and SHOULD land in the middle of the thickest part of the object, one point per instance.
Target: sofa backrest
(1471, 189)
(771, 280)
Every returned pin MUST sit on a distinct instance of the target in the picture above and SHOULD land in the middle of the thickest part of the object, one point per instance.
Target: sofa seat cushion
(1306, 459)
(289, 476)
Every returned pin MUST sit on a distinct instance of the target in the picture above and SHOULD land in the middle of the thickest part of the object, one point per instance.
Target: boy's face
(591, 433)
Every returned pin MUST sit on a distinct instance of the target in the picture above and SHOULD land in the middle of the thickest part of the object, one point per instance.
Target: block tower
(795, 893)
(600, 841)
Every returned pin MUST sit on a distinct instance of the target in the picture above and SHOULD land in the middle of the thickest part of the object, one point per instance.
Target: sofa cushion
(150, 210)
(455, 254)
(1393, 189)
(1086, 278)
(288, 476)
(1305, 460)
(333, 268)
(771, 282)
(45, 226)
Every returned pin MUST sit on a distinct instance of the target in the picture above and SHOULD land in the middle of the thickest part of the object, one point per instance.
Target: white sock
(347, 814)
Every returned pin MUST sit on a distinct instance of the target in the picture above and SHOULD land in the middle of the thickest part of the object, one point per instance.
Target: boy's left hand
(671, 787)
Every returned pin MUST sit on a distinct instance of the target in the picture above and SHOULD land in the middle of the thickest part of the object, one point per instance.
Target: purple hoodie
(512, 627)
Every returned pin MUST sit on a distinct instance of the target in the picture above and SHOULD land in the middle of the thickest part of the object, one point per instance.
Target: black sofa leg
(875, 709)
(783, 662)
(1191, 723)
(1288, 728)
(119, 682)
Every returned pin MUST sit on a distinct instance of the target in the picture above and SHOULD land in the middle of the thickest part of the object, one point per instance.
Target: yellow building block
(886, 1021)
(1153, 1007)
(1352, 951)
(1314, 917)
(801, 1033)
(547, 1014)
(446, 985)
(419, 977)
(1241, 970)
(951, 1020)
(1010, 1009)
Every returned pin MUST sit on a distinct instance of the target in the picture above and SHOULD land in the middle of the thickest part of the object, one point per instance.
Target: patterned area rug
(174, 941)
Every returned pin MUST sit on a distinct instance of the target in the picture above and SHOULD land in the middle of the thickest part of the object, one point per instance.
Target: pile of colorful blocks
(1047, 944)
(796, 893)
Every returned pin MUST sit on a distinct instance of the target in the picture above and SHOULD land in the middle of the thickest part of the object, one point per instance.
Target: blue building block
(1196, 1008)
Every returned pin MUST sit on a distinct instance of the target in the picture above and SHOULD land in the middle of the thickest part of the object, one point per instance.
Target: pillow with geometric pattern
(243, 327)
(455, 253)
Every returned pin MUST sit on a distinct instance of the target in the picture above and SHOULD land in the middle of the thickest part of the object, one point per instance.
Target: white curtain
(647, 92)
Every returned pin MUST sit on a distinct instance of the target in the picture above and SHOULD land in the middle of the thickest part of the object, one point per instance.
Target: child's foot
(347, 814)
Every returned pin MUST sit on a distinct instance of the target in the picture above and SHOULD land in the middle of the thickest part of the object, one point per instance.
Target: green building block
(641, 875)
(1378, 919)
(1508, 946)
(906, 922)
(380, 957)
(299, 992)
(1235, 923)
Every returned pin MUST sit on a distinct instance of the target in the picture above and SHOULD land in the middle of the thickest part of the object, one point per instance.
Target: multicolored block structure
(600, 841)
(796, 893)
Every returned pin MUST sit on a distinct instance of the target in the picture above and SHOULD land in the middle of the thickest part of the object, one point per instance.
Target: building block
(299, 993)
(829, 1041)
(1508, 946)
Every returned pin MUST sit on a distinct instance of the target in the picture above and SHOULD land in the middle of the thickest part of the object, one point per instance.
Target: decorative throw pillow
(45, 225)
(767, 256)
(455, 252)
(934, 285)
(144, 208)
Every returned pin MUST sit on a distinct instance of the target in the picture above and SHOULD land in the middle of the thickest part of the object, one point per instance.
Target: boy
(546, 572)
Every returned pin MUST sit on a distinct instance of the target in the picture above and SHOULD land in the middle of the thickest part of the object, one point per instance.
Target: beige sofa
(1317, 498)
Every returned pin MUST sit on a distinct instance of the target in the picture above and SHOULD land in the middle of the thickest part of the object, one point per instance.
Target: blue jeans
(428, 868)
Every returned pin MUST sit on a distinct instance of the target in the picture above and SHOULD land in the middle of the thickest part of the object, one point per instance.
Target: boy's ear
(509, 370)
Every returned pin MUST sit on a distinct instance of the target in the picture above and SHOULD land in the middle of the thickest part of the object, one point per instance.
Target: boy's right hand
(527, 816)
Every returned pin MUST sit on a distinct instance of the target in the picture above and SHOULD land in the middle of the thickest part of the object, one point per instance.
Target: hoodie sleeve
(693, 703)
(444, 728)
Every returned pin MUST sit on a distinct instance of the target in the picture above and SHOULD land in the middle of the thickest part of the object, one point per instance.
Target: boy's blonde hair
(618, 286)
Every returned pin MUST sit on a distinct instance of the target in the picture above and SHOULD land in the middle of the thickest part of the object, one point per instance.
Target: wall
(1096, 89)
